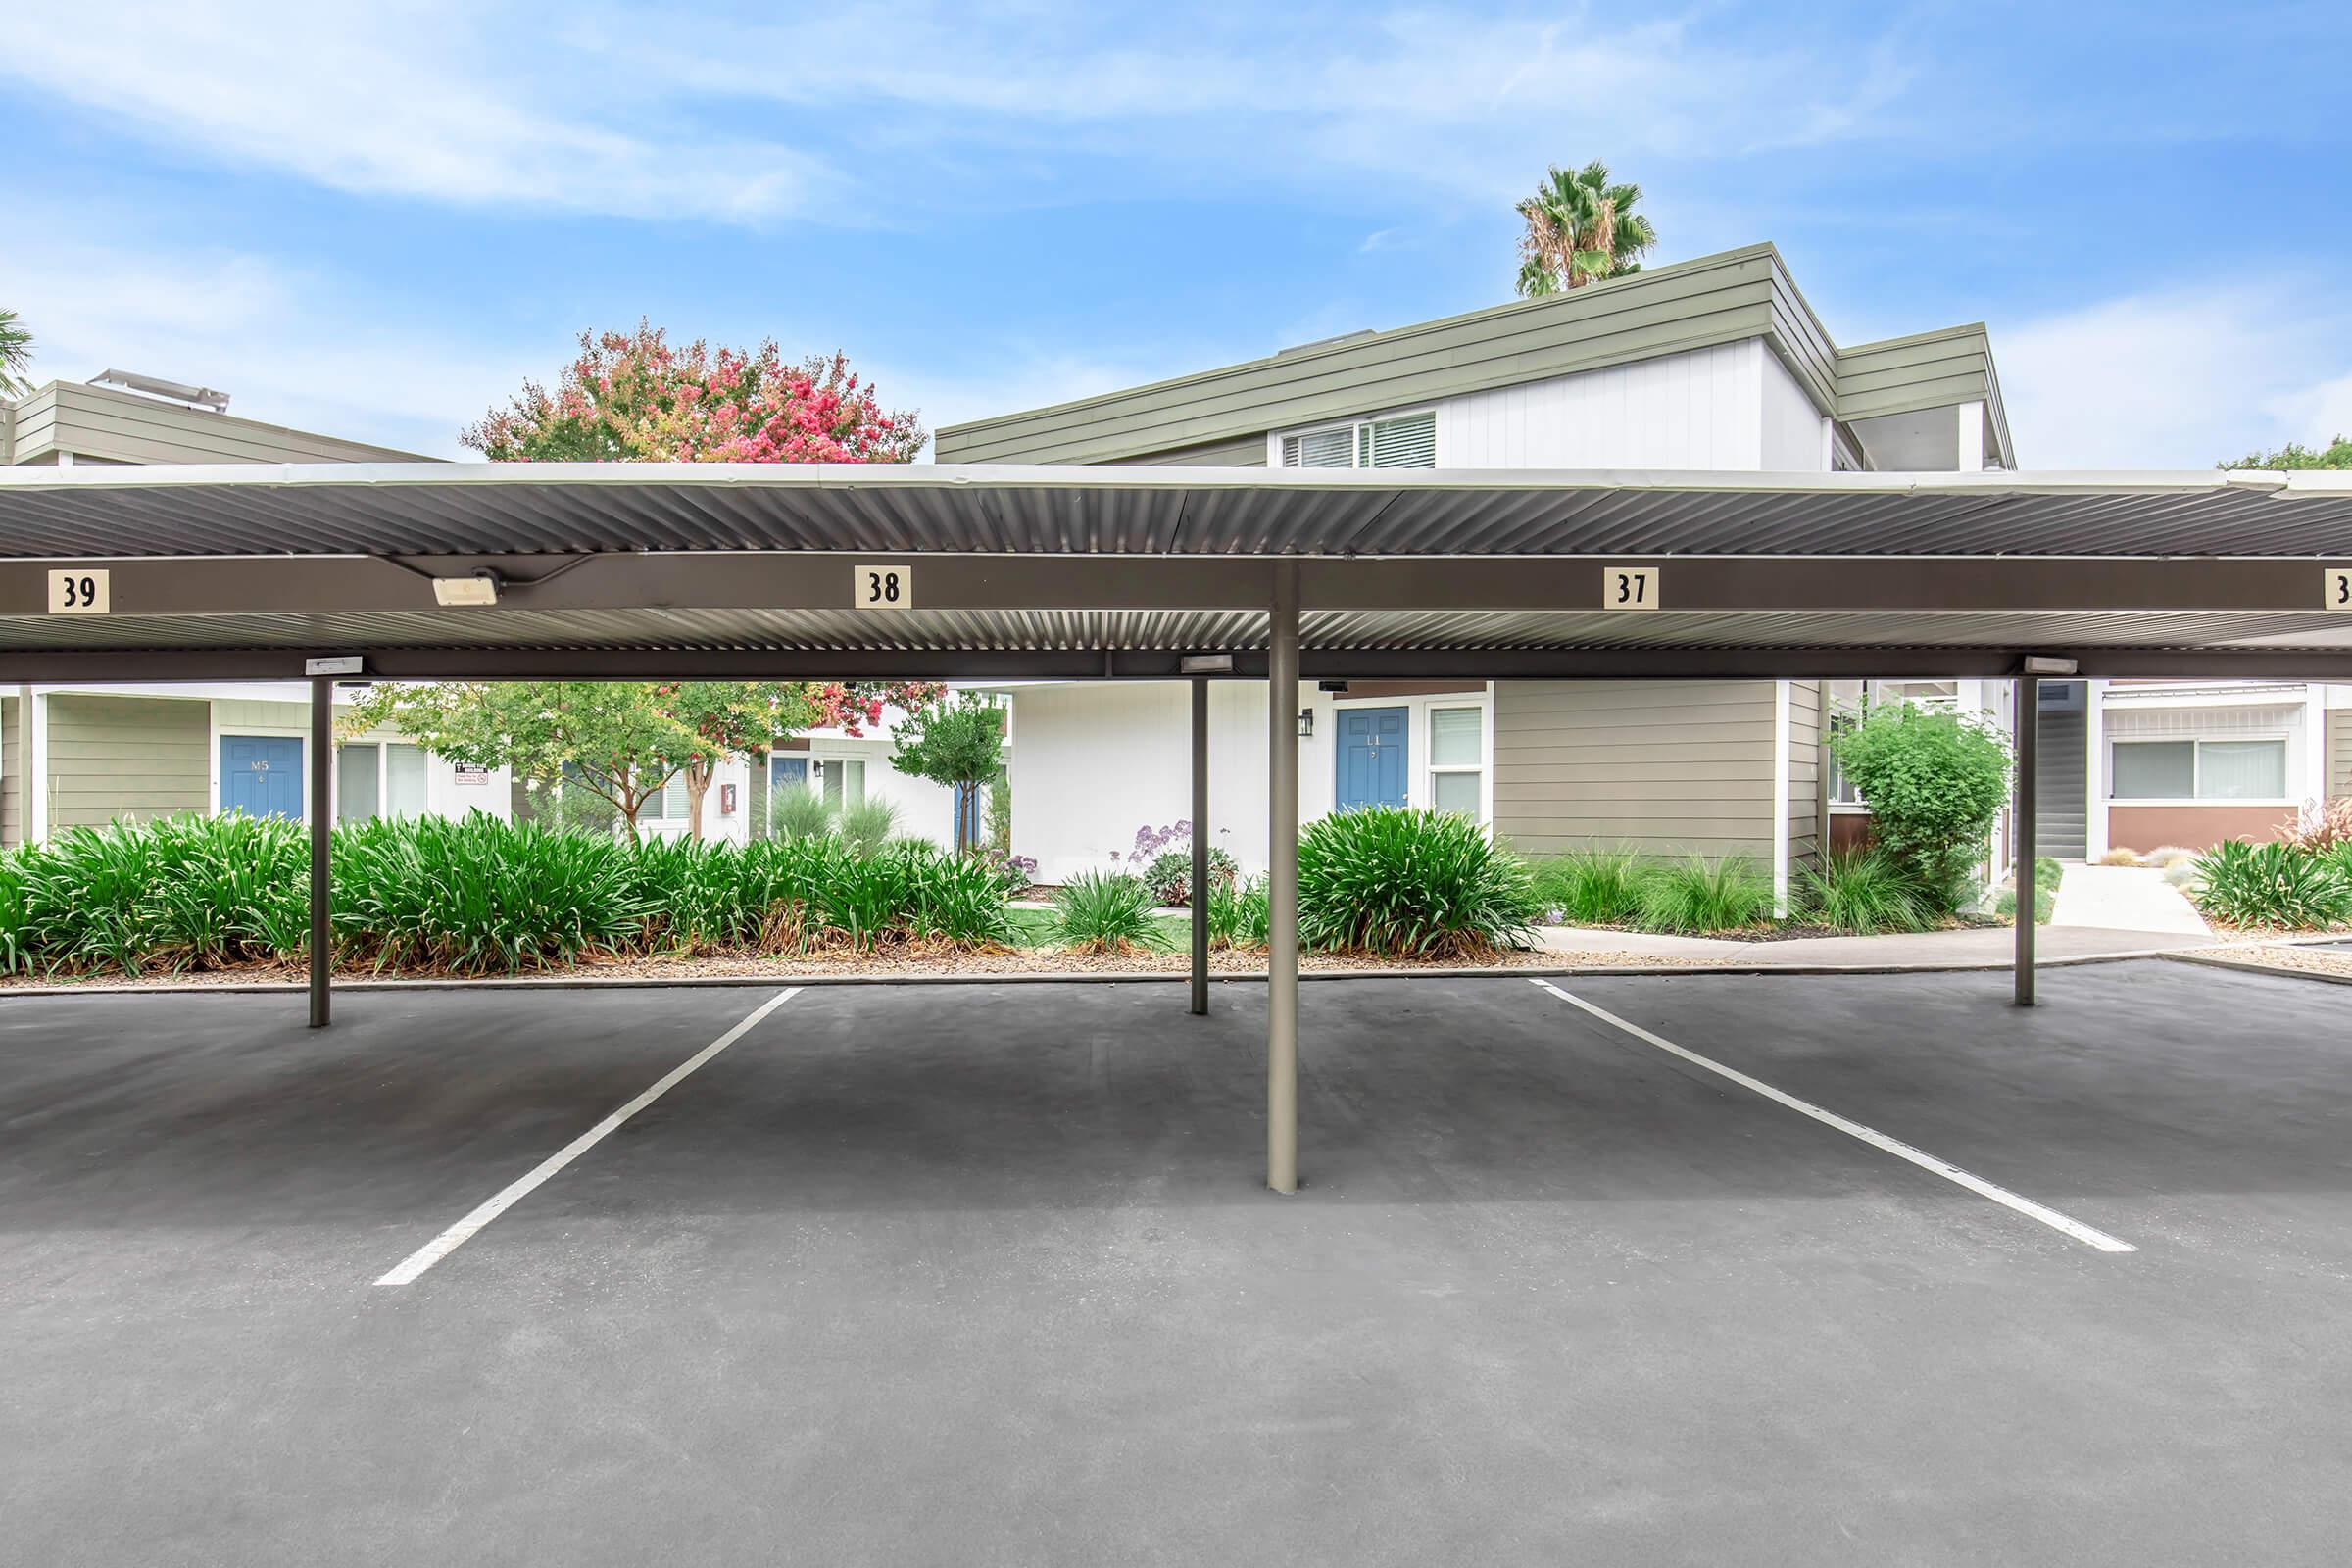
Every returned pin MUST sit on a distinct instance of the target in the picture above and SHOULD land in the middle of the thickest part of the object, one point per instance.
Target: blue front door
(261, 775)
(1372, 758)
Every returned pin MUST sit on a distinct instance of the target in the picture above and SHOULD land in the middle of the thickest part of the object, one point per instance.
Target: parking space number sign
(80, 591)
(1629, 588)
(2337, 594)
(881, 587)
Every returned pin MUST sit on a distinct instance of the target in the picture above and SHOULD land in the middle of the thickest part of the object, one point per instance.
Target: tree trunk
(698, 784)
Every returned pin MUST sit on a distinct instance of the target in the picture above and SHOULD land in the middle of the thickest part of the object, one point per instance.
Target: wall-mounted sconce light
(1306, 723)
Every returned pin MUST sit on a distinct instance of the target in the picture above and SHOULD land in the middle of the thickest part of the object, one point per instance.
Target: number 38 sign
(882, 587)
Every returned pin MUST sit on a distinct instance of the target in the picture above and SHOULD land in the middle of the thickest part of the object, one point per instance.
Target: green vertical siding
(2339, 752)
(126, 758)
(1804, 771)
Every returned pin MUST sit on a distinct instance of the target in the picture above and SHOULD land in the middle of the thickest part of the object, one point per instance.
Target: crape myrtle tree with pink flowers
(633, 397)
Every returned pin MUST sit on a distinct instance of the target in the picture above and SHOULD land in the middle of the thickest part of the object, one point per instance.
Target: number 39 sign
(81, 591)
(883, 587)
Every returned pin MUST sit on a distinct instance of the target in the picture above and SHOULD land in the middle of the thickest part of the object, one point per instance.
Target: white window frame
(1431, 768)
(2197, 745)
(384, 742)
(1356, 438)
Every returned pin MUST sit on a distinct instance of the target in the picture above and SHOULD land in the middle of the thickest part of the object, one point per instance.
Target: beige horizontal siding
(126, 758)
(2339, 752)
(1250, 452)
(105, 426)
(1668, 767)
(1804, 771)
(16, 717)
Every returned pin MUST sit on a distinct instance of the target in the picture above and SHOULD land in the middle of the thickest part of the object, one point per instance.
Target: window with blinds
(1407, 441)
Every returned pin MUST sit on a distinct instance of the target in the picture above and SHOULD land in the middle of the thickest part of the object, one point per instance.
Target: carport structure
(685, 571)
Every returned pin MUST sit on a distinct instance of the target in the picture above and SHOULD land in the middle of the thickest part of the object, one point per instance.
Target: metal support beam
(1282, 882)
(2025, 826)
(1199, 845)
(323, 815)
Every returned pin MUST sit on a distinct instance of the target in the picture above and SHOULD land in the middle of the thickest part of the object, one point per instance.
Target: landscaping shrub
(1934, 782)
(1170, 875)
(2120, 857)
(2320, 828)
(1863, 892)
(1699, 895)
(1591, 887)
(794, 812)
(867, 826)
(2273, 885)
(1238, 914)
(1393, 880)
(470, 895)
(2047, 874)
(1106, 914)
(475, 894)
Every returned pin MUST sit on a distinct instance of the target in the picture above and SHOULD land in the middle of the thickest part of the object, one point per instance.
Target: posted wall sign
(880, 586)
(473, 774)
(1629, 588)
(78, 591)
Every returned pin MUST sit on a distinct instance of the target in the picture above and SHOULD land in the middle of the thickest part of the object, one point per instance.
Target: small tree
(2338, 453)
(632, 396)
(16, 356)
(961, 744)
(605, 737)
(718, 720)
(1934, 783)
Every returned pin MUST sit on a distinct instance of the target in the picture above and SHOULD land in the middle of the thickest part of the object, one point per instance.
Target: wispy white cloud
(830, 113)
(2178, 379)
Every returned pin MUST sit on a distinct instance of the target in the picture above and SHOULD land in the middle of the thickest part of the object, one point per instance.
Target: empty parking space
(984, 1274)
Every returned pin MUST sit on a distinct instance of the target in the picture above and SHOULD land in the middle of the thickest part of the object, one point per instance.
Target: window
(1849, 701)
(1405, 441)
(845, 781)
(374, 780)
(668, 804)
(1457, 758)
(2197, 770)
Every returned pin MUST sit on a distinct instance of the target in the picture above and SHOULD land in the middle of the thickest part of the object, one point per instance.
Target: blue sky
(379, 222)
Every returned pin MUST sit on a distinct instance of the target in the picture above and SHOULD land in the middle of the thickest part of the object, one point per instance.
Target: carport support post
(323, 815)
(1282, 882)
(2025, 827)
(1199, 845)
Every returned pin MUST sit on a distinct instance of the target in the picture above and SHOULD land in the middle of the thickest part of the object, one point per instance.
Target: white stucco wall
(1093, 762)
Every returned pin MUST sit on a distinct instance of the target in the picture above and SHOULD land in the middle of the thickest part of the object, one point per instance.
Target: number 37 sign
(1629, 588)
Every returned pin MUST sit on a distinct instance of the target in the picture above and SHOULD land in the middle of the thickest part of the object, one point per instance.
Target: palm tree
(1579, 230)
(15, 356)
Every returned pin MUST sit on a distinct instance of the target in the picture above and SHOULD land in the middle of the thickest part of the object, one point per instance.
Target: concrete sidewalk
(2123, 898)
(1984, 947)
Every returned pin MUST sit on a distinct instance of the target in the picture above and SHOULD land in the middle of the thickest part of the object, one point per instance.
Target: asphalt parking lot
(985, 1275)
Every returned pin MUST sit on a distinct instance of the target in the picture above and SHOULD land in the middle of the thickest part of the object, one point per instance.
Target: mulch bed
(910, 962)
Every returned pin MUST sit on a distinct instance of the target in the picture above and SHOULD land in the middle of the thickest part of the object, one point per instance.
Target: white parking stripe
(2088, 1235)
(450, 1240)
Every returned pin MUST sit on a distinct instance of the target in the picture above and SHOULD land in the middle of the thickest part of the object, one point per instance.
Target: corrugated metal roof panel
(455, 509)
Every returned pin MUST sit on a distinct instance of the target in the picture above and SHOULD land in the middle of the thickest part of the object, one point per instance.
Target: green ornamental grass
(1106, 914)
(1393, 880)
(2273, 885)
(1699, 895)
(1864, 892)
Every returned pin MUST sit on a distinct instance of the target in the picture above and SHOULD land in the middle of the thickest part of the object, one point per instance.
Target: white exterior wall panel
(1703, 408)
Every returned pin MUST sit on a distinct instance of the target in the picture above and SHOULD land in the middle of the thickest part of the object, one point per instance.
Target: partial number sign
(1629, 587)
(81, 591)
(882, 587)
(2339, 592)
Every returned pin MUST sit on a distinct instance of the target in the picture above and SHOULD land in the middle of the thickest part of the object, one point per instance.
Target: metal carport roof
(687, 568)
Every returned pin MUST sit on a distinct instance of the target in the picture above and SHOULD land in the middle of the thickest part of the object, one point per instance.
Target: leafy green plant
(1698, 894)
(1591, 887)
(2273, 885)
(1393, 880)
(1933, 782)
(1861, 891)
(1238, 914)
(476, 895)
(795, 811)
(1106, 913)
(1169, 876)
